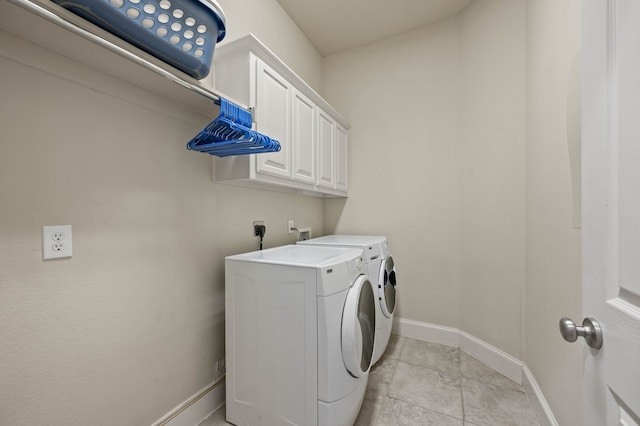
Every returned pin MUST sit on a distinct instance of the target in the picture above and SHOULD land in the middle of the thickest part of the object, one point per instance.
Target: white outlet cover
(56, 242)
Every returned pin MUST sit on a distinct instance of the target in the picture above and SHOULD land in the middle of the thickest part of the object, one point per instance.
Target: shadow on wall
(574, 137)
(333, 208)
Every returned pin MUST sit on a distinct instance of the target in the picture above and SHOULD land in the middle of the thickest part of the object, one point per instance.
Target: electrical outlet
(56, 242)
(290, 226)
(253, 228)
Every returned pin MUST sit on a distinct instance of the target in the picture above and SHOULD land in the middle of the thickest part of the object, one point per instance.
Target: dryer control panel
(356, 267)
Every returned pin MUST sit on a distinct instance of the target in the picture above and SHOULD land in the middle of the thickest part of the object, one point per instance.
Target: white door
(303, 139)
(273, 106)
(359, 327)
(341, 159)
(387, 287)
(326, 150)
(611, 209)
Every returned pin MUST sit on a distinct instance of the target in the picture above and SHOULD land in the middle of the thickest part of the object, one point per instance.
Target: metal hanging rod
(71, 22)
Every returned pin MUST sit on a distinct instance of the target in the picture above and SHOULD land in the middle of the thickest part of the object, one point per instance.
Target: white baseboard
(196, 408)
(537, 399)
(426, 332)
(199, 406)
(482, 351)
(500, 361)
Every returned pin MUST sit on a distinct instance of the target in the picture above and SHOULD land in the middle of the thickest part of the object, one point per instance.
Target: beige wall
(270, 23)
(492, 177)
(553, 243)
(402, 99)
(131, 325)
(514, 166)
(436, 161)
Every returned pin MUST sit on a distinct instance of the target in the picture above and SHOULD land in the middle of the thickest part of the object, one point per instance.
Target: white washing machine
(300, 330)
(380, 267)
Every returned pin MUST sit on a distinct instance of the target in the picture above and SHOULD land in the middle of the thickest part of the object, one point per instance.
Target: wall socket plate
(56, 242)
(256, 223)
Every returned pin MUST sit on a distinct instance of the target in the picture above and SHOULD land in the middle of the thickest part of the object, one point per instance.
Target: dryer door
(358, 327)
(387, 287)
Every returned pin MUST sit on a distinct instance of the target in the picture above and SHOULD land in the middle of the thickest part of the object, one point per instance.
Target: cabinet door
(326, 150)
(303, 139)
(273, 105)
(341, 159)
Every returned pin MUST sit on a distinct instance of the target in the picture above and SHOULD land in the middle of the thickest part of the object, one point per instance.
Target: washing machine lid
(373, 247)
(387, 286)
(346, 240)
(359, 327)
(299, 255)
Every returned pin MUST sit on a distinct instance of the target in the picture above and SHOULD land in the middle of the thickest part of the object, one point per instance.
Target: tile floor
(420, 383)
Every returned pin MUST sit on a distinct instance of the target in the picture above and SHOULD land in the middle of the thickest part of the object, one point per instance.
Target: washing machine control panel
(357, 266)
(385, 249)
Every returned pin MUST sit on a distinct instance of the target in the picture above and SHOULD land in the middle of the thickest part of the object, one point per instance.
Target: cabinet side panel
(231, 76)
(341, 159)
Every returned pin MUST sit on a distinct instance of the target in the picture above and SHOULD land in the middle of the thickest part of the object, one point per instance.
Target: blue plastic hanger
(230, 134)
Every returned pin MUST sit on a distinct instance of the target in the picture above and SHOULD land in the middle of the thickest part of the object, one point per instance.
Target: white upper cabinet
(274, 106)
(304, 135)
(332, 153)
(312, 135)
(326, 150)
(341, 159)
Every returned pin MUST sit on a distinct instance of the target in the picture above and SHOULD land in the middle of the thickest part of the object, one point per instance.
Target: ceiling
(337, 25)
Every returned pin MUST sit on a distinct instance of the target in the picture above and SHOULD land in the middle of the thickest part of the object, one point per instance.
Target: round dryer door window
(387, 287)
(358, 327)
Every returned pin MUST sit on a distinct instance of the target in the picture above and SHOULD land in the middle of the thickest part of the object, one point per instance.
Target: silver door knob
(590, 330)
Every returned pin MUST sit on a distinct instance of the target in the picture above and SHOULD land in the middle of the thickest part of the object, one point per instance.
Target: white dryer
(381, 269)
(300, 330)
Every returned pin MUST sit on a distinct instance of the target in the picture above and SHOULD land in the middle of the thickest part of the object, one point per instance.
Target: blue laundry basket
(182, 33)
